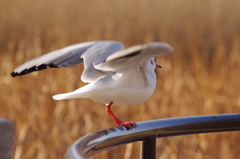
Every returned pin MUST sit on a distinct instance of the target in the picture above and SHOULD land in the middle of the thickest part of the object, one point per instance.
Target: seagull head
(153, 63)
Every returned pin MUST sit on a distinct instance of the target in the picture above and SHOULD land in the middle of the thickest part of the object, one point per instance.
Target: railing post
(148, 148)
(7, 133)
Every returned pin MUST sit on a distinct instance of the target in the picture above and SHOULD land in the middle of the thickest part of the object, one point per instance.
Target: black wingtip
(14, 74)
(32, 69)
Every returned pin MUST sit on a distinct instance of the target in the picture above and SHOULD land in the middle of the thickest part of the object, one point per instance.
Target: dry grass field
(201, 77)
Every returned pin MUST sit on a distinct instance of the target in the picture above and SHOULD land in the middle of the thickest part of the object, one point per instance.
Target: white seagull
(115, 75)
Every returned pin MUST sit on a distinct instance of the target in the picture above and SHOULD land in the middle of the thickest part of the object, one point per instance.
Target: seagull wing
(89, 52)
(65, 57)
(138, 54)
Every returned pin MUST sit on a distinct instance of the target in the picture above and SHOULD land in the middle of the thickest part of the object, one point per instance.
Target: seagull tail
(79, 93)
(66, 96)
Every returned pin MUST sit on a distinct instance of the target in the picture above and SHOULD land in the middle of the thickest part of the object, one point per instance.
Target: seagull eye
(151, 62)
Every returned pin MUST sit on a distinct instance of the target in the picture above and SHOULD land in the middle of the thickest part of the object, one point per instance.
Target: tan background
(201, 77)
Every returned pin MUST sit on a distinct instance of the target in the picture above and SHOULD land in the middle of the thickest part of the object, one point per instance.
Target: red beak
(158, 66)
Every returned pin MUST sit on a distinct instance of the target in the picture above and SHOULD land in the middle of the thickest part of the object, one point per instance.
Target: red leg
(117, 121)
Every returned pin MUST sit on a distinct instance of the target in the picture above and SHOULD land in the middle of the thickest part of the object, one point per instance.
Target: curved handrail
(105, 139)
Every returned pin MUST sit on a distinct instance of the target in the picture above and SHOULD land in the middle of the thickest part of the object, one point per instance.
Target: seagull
(116, 76)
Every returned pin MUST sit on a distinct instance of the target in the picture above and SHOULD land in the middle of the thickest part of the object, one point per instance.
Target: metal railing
(148, 131)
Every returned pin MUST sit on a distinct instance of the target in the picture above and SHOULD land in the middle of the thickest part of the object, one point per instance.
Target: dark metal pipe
(148, 148)
(7, 135)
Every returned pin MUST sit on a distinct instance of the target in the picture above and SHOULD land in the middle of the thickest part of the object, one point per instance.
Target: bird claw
(127, 125)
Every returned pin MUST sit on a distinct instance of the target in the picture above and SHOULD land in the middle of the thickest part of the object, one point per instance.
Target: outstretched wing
(65, 57)
(89, 52)
(137, 54)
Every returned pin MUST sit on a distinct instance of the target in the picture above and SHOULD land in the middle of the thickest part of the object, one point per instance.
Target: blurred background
(201, 77)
